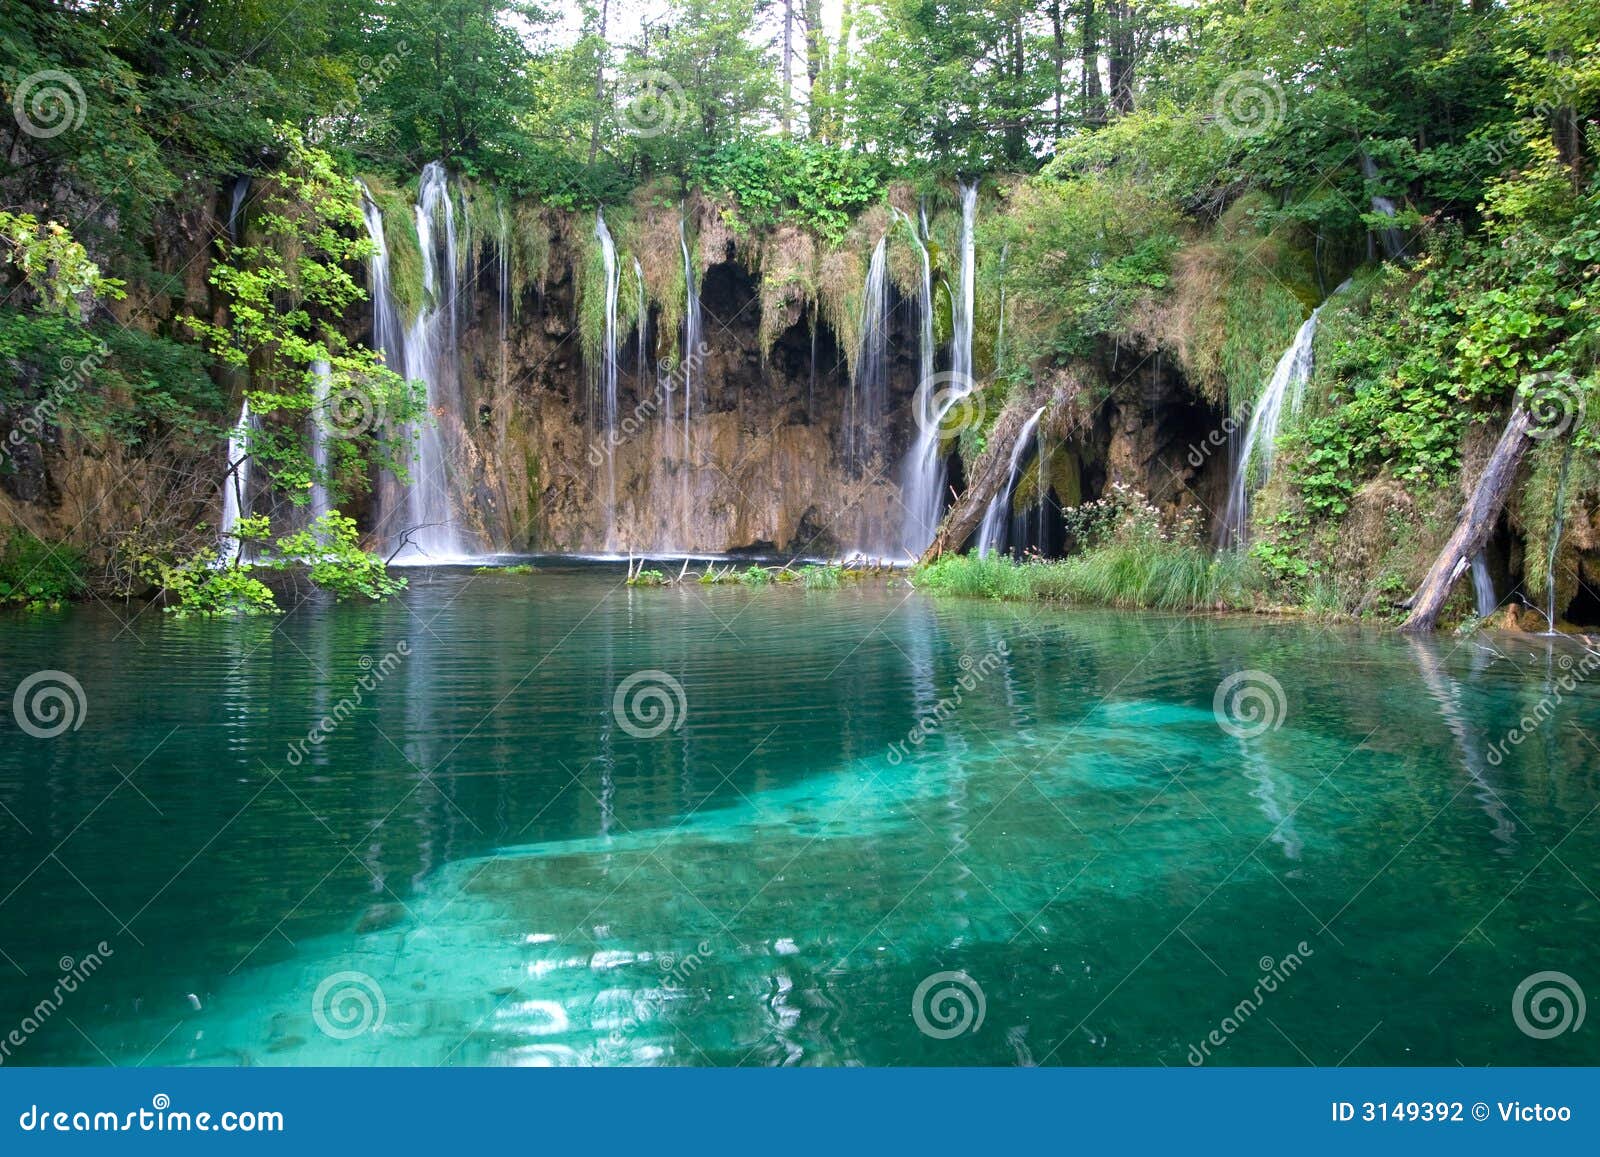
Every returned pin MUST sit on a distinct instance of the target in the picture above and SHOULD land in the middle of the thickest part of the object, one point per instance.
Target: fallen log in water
(991, 471)
(1476, 524)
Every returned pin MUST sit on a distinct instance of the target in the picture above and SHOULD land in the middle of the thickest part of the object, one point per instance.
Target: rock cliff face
(774, 457)
(757, 466)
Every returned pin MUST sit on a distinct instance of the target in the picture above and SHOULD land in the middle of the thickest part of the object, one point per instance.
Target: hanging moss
(529, 242)
(788, 259)
(405, 251)
(649, 231)
(1237, 298)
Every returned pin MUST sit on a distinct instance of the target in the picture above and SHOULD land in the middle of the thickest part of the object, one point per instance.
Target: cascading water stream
(1556, 531)
(995, 519)
(1392, 239)
(241, 190)
(923, 487)
(691, 338)
(643, 324)
(236, 482)
(869, 383)
(321, 392)
(423, 351)
(1483, 586)
(1286, 386)
(608, 364)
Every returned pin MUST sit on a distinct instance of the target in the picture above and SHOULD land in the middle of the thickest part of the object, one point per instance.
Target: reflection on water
(476, 864)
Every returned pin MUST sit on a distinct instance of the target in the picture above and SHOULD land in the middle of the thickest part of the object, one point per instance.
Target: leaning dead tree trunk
(990, 472)
(1476, 523)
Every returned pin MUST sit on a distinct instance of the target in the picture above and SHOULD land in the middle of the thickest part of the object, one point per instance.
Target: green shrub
(39, 575)
(822, 578)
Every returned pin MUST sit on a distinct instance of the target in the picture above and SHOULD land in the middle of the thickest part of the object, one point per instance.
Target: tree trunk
(816, 49)
(786, 116)
(1058, 54)
(1091, 112)
(1476, 524)
(599, 83)
(989, 473)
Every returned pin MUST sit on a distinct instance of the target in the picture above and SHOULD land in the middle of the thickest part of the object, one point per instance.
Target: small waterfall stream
(869, 383)
(1287, 385)
(937, 395)
(424, 350)
(691, 339)
(241, 190)
(608, 366)
(321, 391)
(236, 483)
(1483, 586)
(991, 534)
(1557, 529)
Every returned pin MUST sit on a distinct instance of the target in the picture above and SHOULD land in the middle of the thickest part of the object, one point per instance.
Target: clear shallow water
(515, 878)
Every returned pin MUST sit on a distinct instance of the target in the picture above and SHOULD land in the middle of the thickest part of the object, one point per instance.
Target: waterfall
(1483, 586)
(937, 395)
(998, 514)
(1557, 529)
(1287, 384)
(424, 350)
(321, 390)
(241, 190)
(608, 363)
(1393, 240)
(869, 381)
(643, 325)
(236, 482)
(691, 337)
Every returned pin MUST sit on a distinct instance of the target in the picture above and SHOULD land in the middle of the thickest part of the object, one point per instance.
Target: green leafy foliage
(39, 575)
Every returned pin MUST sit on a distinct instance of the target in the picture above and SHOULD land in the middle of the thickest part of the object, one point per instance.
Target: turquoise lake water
(551, 820)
